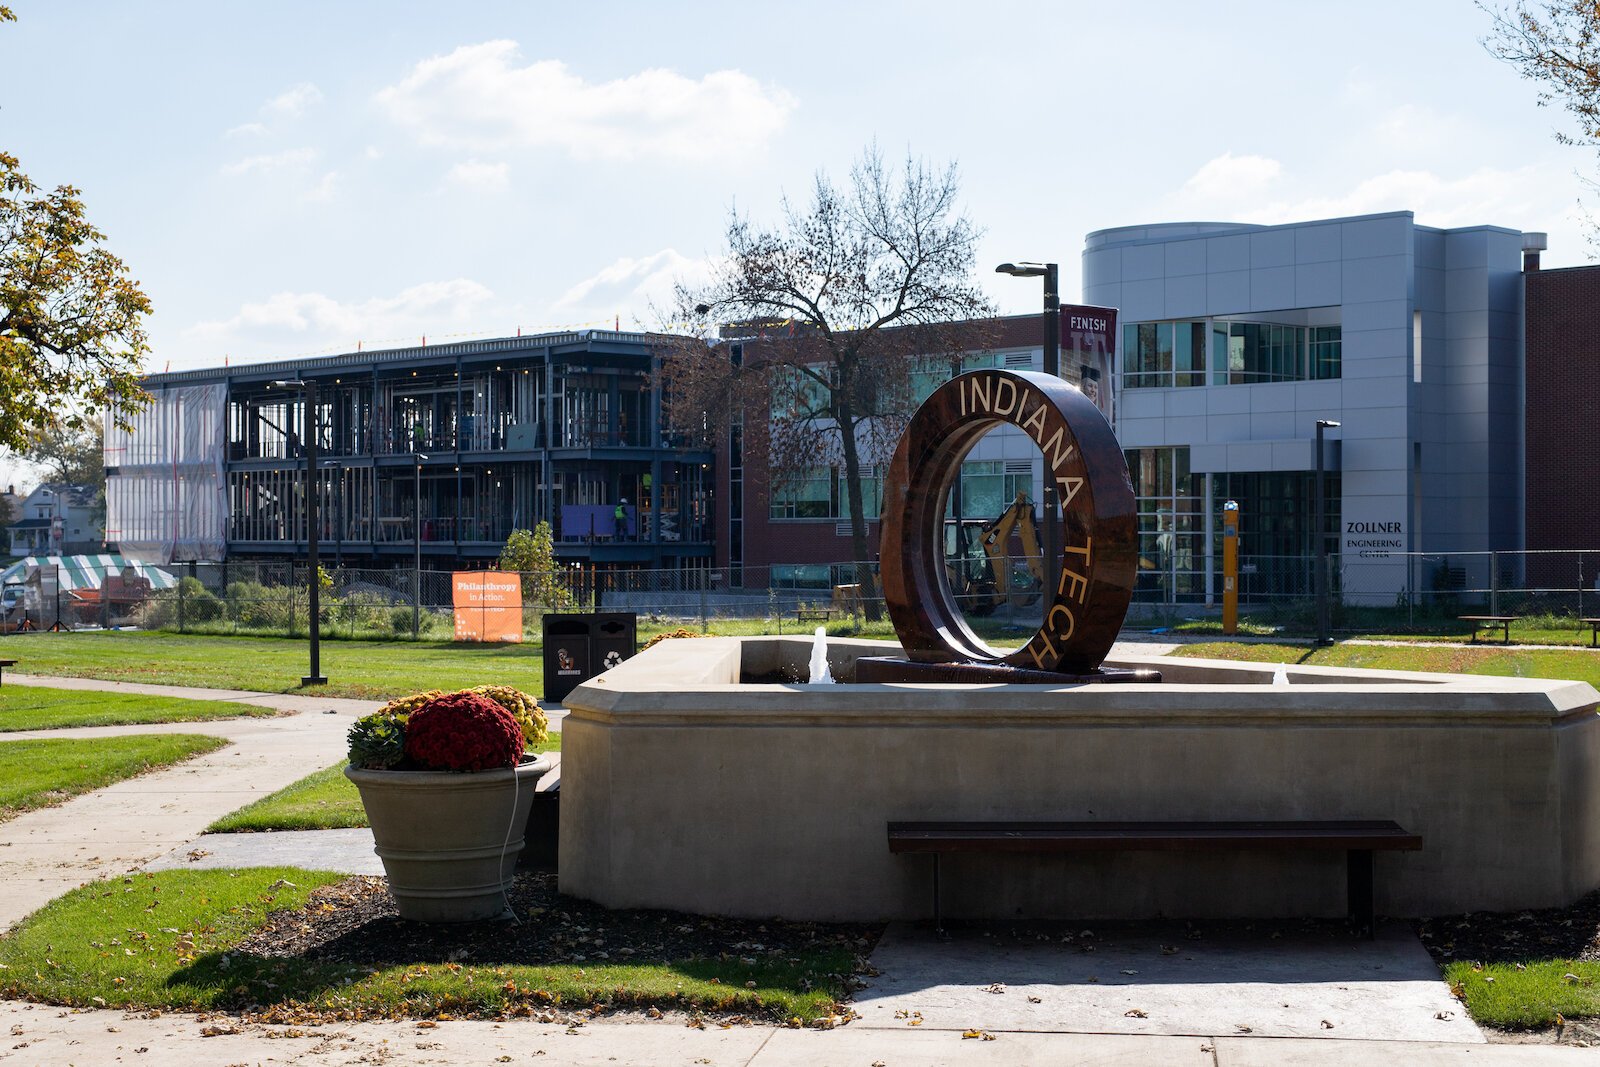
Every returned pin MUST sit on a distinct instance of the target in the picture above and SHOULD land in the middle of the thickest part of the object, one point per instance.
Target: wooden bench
(1489, 622)
(813, 614)
(1594, 630)
(1358, 839)
(4, 663)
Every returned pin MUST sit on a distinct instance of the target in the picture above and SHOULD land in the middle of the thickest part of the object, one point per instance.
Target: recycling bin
(579, 645)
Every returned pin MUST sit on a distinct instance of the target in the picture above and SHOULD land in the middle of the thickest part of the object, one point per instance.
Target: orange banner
(488, 606)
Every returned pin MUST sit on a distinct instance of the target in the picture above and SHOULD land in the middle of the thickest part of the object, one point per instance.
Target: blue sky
(294, 178)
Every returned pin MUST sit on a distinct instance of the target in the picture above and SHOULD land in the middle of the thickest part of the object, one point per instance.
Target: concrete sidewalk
(113, 830)
(53, 1037)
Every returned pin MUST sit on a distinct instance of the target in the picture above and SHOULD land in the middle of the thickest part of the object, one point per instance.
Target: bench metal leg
(938, 917)
(1358, 875)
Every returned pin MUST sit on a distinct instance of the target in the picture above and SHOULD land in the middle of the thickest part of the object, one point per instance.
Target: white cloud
(479, 97)
(292, 157)
(288, 323)
(629, 286)
(249, 129)
(479, 177)
(292, 102)
(324, 190)
(1229, 173)
(1256, 189)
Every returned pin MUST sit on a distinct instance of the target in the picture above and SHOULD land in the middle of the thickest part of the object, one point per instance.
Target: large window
(1171, 525)
(1157, 355)
(1161, 354)
(1277, 528)
(823, 493)
(989, 486)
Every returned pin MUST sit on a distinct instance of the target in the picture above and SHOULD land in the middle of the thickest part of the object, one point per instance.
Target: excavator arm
(996, 537)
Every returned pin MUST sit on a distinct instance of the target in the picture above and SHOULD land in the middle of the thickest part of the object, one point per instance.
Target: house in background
(58, 518)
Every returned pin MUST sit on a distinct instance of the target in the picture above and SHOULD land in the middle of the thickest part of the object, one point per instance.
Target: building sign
(1088, 353)
(488, 606)
(1373, 539)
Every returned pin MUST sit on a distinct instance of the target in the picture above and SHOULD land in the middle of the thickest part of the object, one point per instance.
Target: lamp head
(1024, 270)
(1327, 424)
(288, 383)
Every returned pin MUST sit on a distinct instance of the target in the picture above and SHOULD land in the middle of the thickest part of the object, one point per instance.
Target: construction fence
(1397, 591)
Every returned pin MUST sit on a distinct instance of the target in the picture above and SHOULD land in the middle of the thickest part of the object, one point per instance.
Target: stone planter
(442, 836)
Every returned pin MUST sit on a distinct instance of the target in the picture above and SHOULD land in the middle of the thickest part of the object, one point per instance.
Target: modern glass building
(1237, 339)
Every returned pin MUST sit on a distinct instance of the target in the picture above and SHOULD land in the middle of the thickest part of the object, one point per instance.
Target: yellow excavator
(983, 573)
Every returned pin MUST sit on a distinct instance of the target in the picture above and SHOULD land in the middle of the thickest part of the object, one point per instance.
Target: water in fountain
(819, 659)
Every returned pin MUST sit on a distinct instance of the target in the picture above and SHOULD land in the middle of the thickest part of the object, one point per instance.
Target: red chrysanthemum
(463, 732)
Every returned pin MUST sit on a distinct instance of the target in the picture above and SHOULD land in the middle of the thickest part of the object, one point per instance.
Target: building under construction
(442, 449)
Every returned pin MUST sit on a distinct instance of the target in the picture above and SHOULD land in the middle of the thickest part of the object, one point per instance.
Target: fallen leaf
(994, 987)
(1326, 1025)
(1444, 1015)
(1035, 1000)
(1243, 1029)
(1135, 1013)
(967, 1035)
(1130, 972)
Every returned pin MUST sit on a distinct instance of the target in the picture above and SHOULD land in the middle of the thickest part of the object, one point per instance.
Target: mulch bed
(1516, 937)
(354, 921)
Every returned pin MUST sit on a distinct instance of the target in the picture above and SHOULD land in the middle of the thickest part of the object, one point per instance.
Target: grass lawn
(1509, 662)
(164, 941)
(1532, 994)
(27, 707)
(37, 774)
(1391, 625)
(375, 670)
(326, 800)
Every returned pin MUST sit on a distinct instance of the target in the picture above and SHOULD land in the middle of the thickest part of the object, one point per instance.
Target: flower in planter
(401, 707)
(377, 742)
(530, 717)
(462, 732)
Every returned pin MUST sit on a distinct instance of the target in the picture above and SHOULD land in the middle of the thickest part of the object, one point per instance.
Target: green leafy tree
(1555, 43)
(73, 457)
(533, 553)
(72, 336)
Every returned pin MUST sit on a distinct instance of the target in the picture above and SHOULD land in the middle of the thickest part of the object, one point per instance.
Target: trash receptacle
(613, 639)
(578, 646)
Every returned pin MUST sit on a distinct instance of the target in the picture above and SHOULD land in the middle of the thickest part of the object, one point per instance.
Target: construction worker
(621, 519)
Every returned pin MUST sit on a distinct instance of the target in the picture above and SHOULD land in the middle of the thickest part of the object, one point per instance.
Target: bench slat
(1152, 836)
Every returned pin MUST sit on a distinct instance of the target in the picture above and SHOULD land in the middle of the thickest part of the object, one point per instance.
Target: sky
(299, 178)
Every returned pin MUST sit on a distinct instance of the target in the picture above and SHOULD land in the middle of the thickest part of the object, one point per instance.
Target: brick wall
(1563, 401)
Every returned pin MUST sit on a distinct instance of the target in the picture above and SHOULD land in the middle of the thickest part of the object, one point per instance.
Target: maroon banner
(1088, 354)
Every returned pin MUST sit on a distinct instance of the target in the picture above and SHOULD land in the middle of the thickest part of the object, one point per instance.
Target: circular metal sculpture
(1099, 531)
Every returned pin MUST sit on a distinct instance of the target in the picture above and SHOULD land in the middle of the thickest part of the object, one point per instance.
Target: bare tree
(1555, 43)
(836, 303)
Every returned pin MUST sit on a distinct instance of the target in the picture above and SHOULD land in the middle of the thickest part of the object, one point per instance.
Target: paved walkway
(110, 831)
(1189, 1015)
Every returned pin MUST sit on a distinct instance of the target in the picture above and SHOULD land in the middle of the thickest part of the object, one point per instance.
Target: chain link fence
(1374, 593)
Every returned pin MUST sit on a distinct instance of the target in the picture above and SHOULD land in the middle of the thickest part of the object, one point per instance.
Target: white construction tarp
(166, 495)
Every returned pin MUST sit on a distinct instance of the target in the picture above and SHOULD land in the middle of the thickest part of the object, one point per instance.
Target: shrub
(199, 605)
(377, 741)
(462, 732)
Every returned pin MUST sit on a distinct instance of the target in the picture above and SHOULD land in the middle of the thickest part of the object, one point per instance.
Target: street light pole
(1050, 519)
(416, 546)
(1322, 541)
(315, 677)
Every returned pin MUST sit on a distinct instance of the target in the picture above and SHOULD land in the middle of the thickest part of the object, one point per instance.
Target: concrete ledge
(685, 789)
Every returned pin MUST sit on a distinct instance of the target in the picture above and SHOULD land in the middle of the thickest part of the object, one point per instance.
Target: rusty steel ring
(1099, 528)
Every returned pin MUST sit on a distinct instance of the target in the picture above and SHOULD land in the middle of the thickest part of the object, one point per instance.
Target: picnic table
(1490, 622)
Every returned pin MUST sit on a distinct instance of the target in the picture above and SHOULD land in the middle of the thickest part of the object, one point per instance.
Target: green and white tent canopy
(87, 572)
